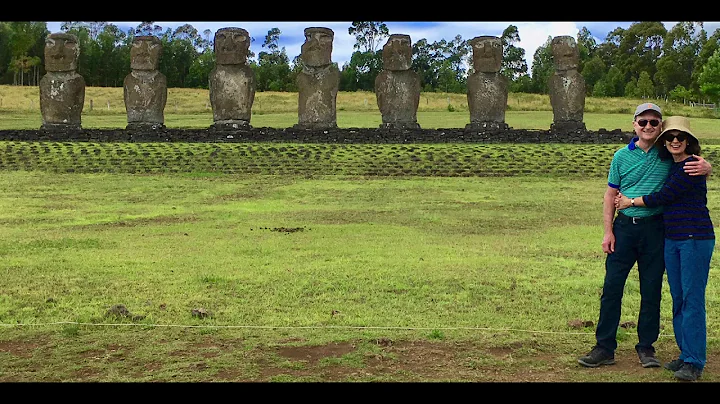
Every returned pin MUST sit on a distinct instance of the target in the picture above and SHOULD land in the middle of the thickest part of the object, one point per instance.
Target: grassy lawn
(226, 277)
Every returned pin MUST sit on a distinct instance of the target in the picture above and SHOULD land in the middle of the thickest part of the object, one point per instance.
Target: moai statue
(566, 86)
(232, 81)
(397, 88)
(145, 88)
(318, 81)
(487, 87)
(62, 89)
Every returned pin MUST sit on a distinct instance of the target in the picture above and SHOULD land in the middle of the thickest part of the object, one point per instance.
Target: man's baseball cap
(648, 106)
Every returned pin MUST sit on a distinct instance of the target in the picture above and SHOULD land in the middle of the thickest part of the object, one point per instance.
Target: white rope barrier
(320, 327)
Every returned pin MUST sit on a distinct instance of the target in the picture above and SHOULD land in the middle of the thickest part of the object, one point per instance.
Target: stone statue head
(232, 46)
(397, 52)
(487, 54)
(317, 49)
(145, 52)
(61, 52)
(565, 53)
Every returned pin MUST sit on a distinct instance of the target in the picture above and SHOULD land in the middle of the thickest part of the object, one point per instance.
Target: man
(635, 235)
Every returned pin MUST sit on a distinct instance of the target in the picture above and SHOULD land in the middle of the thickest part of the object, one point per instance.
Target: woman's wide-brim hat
(680, 123)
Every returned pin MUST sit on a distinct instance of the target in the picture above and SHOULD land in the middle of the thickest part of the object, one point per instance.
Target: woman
(689, 244)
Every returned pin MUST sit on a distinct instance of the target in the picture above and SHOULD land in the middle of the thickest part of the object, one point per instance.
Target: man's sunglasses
(653, 122)
(681, 137)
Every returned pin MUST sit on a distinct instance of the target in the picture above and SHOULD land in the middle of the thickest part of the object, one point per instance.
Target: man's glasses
(681, 137)
(653, 122)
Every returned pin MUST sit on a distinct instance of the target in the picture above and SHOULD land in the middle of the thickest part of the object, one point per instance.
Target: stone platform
(337, 135)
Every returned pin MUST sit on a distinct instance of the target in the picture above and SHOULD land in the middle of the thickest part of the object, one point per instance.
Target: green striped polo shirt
(636, 173)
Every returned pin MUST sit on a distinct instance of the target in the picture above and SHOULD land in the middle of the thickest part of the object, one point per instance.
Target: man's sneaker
(598, 356)
(688, 372)
(674, 365)
(647, 358)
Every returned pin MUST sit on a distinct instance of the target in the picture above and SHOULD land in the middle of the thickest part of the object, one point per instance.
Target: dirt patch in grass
(381, 360)
(22, 349)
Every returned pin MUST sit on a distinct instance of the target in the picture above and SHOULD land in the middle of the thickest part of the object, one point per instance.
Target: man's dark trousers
(638, 240)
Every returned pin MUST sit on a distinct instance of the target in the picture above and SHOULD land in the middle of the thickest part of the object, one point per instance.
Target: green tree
(709, 79)
(645, 86)
(180, 50)
(447, 78)
(522, 84)
(273, 69)
(608, 50)
(451, 57)
(631, 89)
(361, 71)
(5, 51)
(368, 35)
(542, 67)
(680, 50)
(425, 64)
(640, 47)
(114, 52)
(199, 73)
(614, 82)
(105, 59)
(586, 47)
(366, 62)
(593, 70)
(708, 46)
(26, 41)
(146, 28)
(513, 61)
(680, 94)
(602, 88)
(94, 28)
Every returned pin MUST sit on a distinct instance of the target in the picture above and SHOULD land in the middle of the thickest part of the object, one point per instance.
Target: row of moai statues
(62, 89)
(232, 84)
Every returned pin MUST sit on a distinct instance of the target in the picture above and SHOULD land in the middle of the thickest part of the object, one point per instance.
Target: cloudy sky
(532, 34)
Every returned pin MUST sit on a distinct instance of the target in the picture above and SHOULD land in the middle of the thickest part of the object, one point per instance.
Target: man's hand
(699, 167)
(608, 243)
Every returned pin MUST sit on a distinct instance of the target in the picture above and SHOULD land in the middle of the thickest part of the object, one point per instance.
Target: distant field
(190, 108)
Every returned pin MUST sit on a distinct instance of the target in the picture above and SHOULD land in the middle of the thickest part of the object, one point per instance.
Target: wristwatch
(632, 202)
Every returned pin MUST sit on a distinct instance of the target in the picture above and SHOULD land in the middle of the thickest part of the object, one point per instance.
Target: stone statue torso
(62, 95)
(145, 96)
(398, 95)
(487, 97)
(232, 92)
(317, 95)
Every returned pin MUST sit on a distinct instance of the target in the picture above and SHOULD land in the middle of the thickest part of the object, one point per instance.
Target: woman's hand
(621, 201)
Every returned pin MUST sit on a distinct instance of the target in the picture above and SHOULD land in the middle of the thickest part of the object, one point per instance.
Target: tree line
(645, 60)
